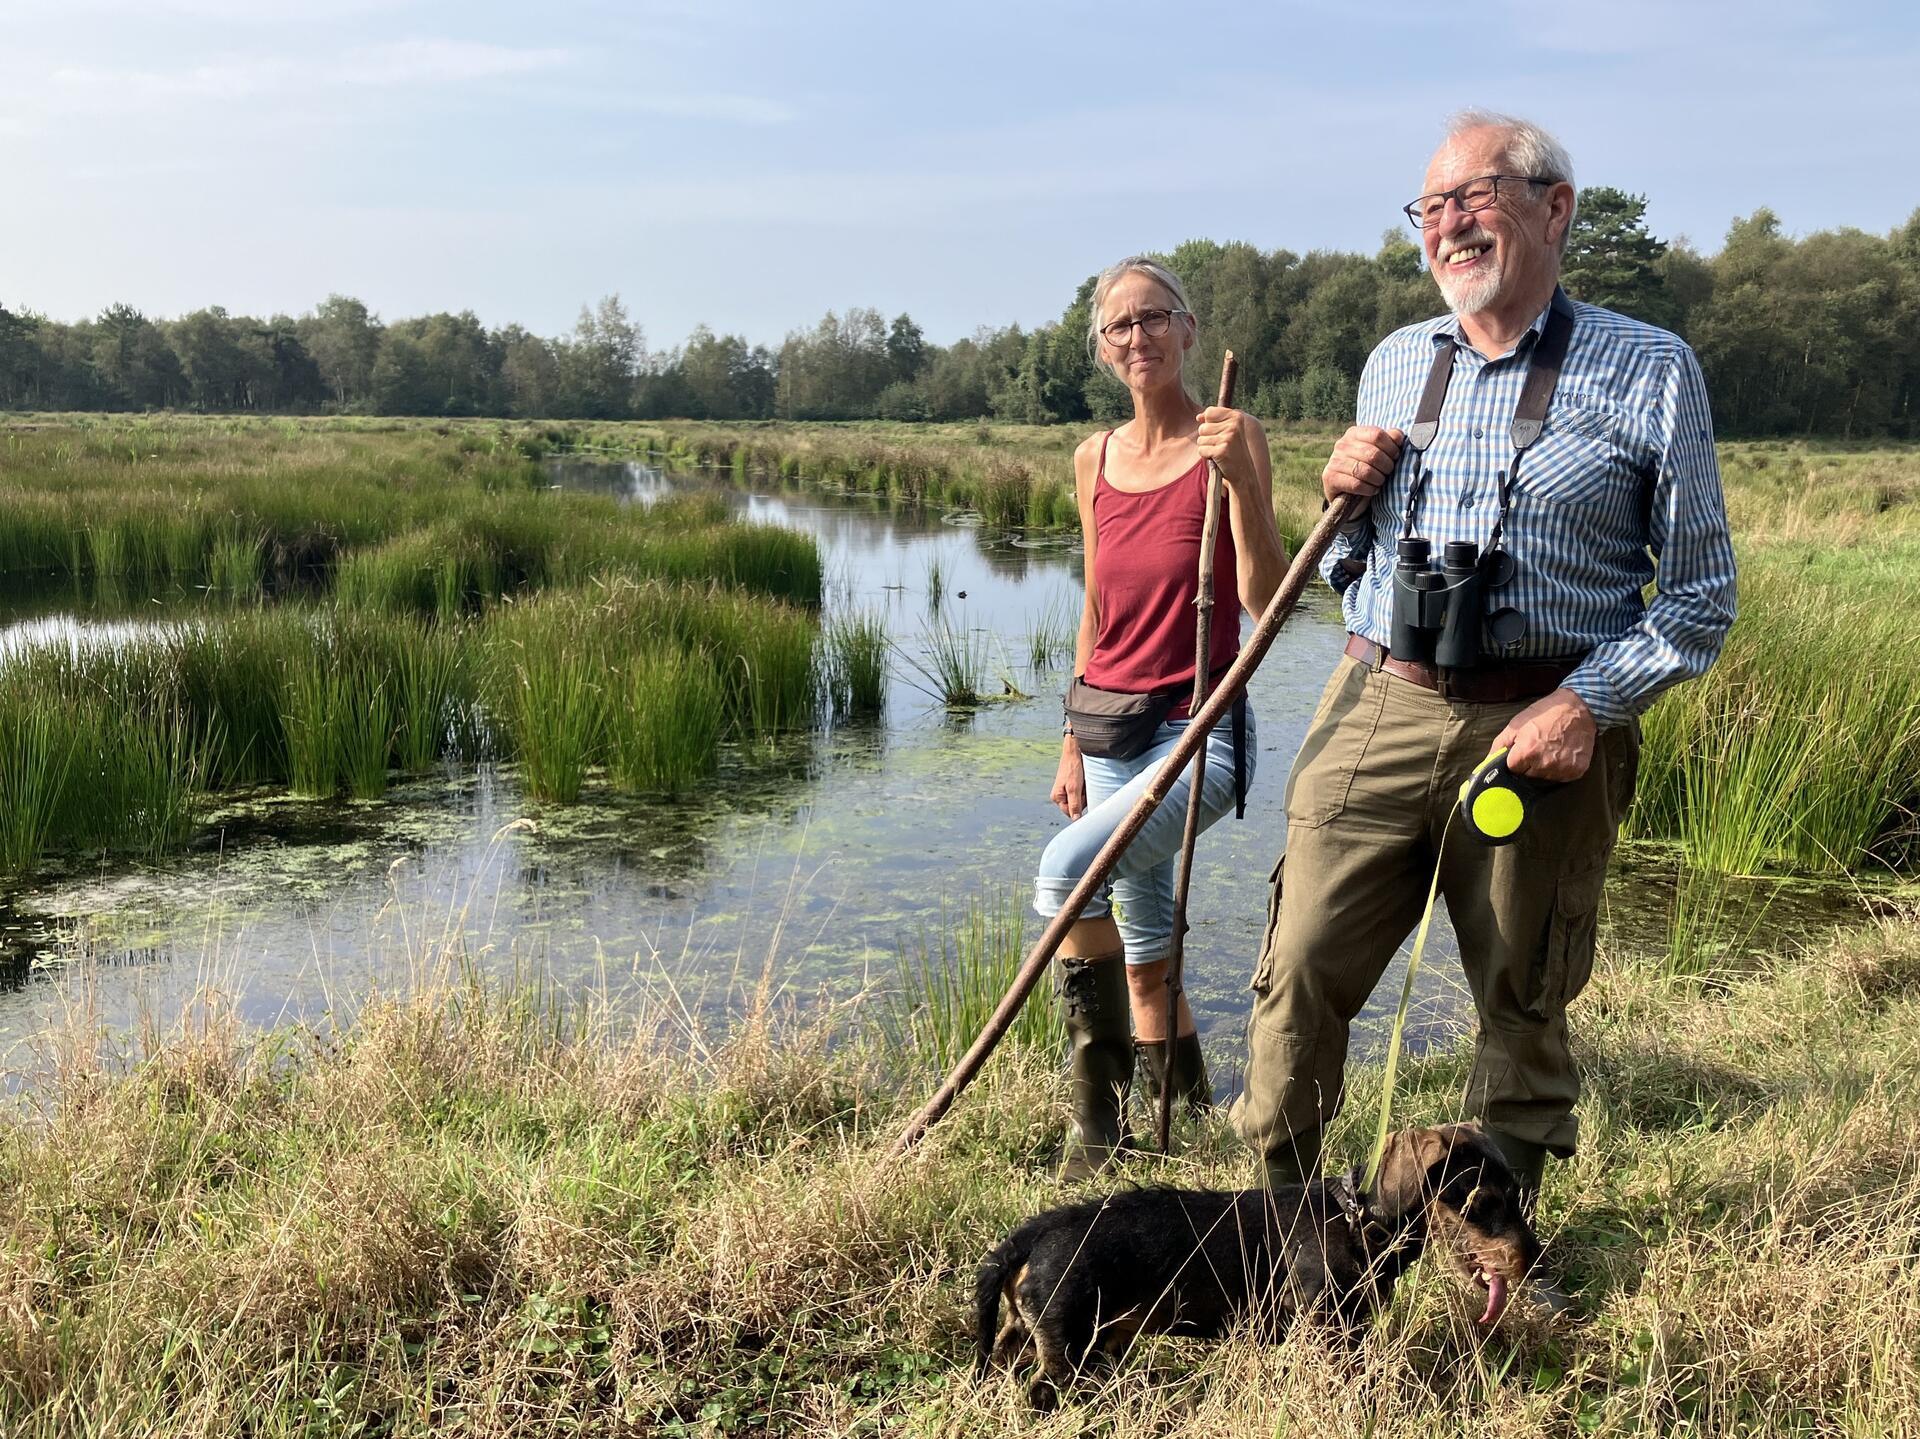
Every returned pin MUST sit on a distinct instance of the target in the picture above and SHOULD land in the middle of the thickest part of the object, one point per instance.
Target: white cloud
(415, 62)
(396, 65)
(710, 105)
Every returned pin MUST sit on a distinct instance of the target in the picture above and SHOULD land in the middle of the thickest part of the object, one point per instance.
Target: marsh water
(814, 868)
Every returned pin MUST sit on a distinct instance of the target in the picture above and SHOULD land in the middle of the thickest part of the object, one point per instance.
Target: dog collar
(1357, 1208)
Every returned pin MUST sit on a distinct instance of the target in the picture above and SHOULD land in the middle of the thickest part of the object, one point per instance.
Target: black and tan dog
(1082, 1280)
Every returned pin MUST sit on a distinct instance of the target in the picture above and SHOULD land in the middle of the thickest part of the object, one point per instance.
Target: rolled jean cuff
(1050, 896)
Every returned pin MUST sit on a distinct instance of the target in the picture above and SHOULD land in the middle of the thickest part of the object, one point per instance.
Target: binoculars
(1437, 610)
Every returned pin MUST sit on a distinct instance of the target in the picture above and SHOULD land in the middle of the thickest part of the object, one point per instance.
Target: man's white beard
(1469, 294)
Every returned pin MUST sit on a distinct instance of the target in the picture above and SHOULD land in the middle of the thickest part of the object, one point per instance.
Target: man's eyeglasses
(1153, 324)
(1468, 195)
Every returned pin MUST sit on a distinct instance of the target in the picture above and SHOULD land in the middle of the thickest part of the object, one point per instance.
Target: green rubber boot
(1190, 1084)
(1093, 1001)
(1295, 1162)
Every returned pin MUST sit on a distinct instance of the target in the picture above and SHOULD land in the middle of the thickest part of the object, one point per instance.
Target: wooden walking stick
(1202, 658)
(1035, 964)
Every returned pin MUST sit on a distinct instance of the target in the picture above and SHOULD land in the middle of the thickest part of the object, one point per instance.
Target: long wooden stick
(1202, 663)
(1035, 964)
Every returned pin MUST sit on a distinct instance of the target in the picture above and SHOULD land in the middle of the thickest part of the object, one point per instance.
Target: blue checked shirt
(1621, 483)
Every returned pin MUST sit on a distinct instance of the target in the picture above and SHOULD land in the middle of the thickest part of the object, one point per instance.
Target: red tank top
(1146, 565)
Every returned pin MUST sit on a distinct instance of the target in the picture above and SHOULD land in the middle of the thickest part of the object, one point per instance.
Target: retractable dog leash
(1494, 801)
(1493, 808)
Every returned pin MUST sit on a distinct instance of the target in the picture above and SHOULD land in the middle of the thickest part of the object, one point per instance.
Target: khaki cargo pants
(1370, 793)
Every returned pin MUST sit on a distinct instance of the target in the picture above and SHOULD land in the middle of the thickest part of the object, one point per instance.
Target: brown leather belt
(1486, 685)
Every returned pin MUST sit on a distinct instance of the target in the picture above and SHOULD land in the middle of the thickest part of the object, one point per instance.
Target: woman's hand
(1070, 780)
(1227, 438)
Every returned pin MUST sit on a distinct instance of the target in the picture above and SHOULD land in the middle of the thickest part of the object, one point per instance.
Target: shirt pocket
(1581, 459)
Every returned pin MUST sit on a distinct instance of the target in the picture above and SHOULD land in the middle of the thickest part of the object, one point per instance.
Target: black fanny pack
(1111, 724)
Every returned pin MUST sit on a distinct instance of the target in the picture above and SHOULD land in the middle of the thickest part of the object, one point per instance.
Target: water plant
(856, 666)
(664, 729)
(1053, 635)
(36, 752)
(936, 577)
(950, 983)
(949, 666)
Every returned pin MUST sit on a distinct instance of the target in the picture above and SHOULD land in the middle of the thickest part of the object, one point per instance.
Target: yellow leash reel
(1494, 801)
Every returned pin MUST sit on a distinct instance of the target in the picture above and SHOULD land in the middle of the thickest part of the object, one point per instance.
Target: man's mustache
(1466, 242)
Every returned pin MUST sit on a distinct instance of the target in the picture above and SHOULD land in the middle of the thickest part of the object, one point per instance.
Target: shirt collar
(1450, 329)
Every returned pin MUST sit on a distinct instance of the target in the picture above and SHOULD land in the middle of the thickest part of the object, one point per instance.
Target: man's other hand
(1362, 461)
(1550, 739)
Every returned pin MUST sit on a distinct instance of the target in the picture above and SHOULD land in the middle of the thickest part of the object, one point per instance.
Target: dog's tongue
(1496, 1298)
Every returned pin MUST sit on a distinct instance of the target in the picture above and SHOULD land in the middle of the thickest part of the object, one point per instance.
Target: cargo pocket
(1263, 967)
(1343, 726)
(1568, 963)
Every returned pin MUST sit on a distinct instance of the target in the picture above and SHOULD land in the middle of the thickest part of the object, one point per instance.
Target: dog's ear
(1401, 1186)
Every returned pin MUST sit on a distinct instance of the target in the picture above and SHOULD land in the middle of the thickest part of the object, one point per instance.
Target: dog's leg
(1056, 1371)
(1013, 1346)
(1014, 1342)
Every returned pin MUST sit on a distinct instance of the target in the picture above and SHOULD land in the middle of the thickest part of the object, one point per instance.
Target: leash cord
(1400, 1014)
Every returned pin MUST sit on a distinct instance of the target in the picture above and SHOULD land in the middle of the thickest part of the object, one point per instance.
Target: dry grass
(477, 1212)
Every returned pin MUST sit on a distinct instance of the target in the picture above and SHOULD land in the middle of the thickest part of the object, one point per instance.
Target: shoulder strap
(1543, 372)
(1101, 473)
(1426, 419)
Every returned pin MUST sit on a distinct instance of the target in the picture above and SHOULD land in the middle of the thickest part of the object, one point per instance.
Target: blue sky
(751, 164)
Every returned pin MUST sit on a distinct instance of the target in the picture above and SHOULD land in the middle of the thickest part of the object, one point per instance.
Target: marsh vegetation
(473, 1206)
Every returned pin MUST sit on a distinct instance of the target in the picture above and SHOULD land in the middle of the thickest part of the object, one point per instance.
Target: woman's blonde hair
(1161, 276)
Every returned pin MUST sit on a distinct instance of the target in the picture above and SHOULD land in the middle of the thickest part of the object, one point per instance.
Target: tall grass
(664, 730)
(489, 1212)
(951, 983)
(36, 753)
(110, 744)
(420, 519)
(432, 692)
(856, 666)
(950, 666)
(1802, 746)
(1055, 632)
(565, 662)
(551, 691)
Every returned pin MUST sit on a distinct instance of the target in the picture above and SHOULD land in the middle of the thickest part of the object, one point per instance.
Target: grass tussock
(115, 746)
(408, 568)
(488, 1212)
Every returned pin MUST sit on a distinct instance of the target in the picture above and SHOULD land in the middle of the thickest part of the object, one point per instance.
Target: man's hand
(1362, 461)
(1070, 780)
(1550, 739)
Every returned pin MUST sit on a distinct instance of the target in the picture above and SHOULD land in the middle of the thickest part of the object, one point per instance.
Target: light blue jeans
(1139, 892)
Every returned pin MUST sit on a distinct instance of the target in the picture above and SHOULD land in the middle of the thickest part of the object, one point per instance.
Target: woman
(1142, 495)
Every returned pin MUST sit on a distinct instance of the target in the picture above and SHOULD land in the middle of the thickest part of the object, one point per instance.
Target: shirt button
(1467, 502)
(1479, 434)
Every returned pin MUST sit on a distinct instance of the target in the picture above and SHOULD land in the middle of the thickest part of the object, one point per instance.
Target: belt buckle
(1443, 683)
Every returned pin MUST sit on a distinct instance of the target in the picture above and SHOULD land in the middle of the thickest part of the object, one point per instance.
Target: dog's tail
(1005, 1258)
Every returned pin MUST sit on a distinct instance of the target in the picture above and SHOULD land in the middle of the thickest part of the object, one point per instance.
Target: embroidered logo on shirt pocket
(1578, 460)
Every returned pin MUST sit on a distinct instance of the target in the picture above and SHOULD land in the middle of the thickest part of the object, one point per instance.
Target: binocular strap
(1529, 414)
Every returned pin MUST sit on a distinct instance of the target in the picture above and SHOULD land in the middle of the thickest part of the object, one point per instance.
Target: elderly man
(1569, 519)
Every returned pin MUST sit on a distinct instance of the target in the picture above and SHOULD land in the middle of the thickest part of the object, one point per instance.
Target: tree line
(1816, 335)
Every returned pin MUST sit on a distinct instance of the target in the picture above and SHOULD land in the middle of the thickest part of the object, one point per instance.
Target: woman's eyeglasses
(1153, 324)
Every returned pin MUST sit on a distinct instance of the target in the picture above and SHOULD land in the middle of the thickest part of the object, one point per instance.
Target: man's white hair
(1530, 151)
